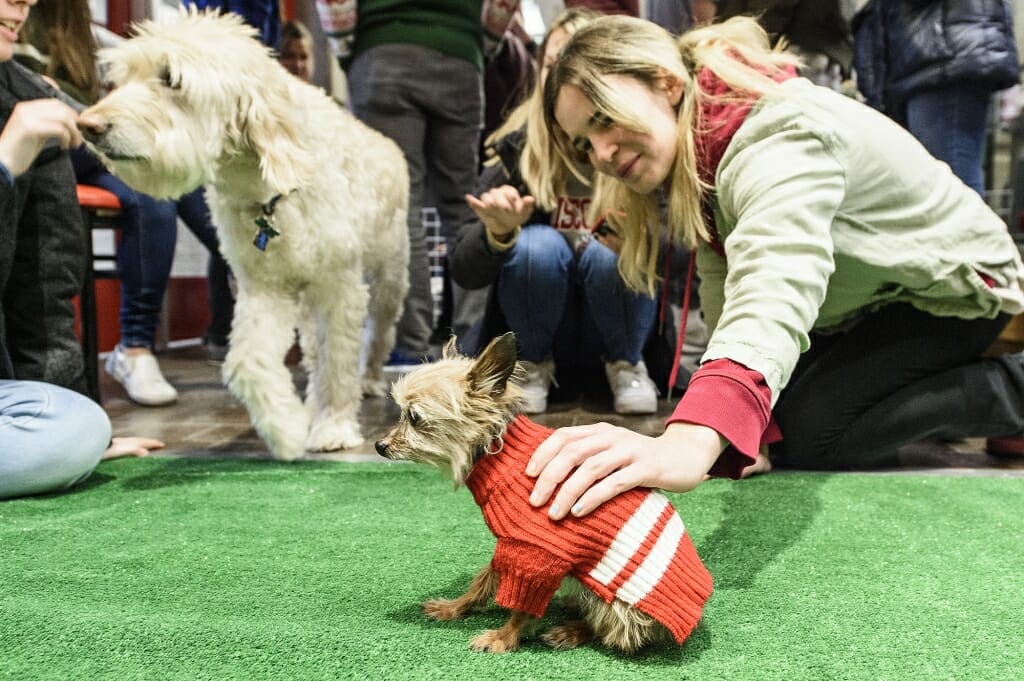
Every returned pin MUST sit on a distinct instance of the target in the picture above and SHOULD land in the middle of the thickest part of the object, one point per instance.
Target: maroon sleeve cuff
(734, 401)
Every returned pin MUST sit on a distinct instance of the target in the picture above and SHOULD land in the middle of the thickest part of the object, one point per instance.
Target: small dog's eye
(414, 418)
(168, 80)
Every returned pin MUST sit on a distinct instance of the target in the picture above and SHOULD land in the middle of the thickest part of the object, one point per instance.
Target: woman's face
(12, 15)
(640, 160)
(294, 58)
(556, 41)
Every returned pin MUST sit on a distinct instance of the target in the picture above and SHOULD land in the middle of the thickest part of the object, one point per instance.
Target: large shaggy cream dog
(202, 102)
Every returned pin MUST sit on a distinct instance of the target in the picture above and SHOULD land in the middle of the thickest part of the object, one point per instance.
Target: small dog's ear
(492, 369)
(451, 350)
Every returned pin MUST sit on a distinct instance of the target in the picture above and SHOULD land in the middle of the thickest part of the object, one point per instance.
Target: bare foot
(130, 446)
(760, 466)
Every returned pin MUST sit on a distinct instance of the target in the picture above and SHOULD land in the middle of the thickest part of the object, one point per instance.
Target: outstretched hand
(30, 126)
(597, 462)
(131, 446)
(502, 209)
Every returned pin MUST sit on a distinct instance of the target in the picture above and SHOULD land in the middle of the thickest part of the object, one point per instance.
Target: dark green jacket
(448, 26)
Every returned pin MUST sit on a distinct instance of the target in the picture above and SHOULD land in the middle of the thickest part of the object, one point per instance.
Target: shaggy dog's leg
(262, 332)
(390, 284)
(339, 311)
(308, 344)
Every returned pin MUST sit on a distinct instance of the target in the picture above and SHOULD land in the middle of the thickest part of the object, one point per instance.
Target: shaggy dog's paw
(285, 438)
(284, 448)
(329, 436)
(568, 635)
(443, 609)
(491, 641)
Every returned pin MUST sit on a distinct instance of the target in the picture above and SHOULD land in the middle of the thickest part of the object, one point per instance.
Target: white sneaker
(141, 377)
(632, 388)
(536, 383)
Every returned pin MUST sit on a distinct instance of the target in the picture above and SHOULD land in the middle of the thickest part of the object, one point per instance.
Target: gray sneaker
(537, 382)
(633, 390)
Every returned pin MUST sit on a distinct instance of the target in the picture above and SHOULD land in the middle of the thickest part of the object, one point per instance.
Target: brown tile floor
(208, 421)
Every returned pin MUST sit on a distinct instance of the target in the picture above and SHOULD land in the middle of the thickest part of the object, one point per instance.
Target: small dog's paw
(442, 609)
(491, 641)
(329, 436)
(568, 635)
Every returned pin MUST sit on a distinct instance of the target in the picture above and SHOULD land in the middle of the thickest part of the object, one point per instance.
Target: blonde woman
(850, 281)
(556, 283)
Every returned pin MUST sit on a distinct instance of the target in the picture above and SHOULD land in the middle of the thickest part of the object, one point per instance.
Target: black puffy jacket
(905, 46)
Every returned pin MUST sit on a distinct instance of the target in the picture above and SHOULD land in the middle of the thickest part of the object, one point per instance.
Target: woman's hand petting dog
(597, 462)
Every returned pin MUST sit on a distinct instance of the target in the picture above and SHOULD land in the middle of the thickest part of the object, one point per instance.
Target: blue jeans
(431, 105)
(577, 310)
(149, 230)
(950, 122)
(195, 214)
(145, 254)
(50, 437)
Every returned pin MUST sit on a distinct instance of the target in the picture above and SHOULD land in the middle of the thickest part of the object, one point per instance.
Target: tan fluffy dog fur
(453, 411)
(202, 102)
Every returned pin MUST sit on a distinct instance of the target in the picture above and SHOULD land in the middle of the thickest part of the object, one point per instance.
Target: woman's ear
(672, 86)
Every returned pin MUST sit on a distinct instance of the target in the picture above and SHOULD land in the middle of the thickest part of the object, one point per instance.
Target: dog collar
(265, 222)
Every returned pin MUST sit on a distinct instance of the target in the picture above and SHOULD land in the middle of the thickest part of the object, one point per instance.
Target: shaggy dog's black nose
(381, 447)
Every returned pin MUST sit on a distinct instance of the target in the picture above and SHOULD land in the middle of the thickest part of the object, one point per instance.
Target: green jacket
(448, 26)
(827, 210)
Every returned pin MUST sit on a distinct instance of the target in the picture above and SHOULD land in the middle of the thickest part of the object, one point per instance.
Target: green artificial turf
(192, 569)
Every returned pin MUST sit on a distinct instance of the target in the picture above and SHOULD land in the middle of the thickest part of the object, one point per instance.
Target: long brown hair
(62, 30)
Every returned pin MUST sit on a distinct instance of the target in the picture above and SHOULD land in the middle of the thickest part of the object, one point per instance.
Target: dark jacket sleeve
(472, 264)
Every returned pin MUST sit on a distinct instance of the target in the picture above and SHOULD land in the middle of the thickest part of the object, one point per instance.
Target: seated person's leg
(624, 319)
(195, 213)
(50, 437)
(144, 257)
(533, 289)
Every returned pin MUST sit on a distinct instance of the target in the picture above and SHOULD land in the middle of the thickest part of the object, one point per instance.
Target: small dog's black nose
(381, 447)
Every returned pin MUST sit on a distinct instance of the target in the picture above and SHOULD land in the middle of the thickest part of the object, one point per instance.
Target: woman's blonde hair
(737, 51)
(544, 176)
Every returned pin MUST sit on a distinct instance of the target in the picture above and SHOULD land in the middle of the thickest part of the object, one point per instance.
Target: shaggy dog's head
(188, 97)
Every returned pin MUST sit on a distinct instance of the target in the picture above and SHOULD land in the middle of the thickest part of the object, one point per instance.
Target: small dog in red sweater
(637, 577)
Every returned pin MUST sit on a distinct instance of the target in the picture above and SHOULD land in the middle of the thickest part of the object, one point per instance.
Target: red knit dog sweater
(633, 547)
